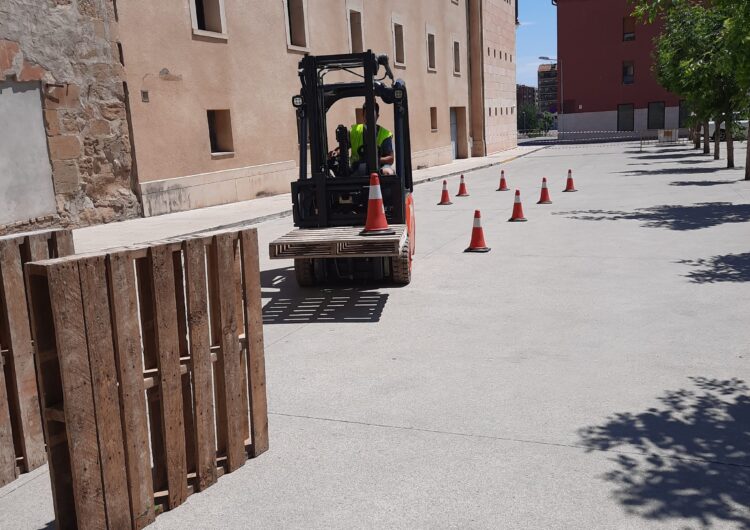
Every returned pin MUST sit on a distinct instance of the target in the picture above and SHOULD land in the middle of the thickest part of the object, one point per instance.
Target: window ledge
(401, 66)
(457, 74)
(431, 70)
(222, 154)
(433, 130)
(210, 34)
(297, 49)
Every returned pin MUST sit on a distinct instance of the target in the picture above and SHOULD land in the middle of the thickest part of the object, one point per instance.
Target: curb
(287, 213)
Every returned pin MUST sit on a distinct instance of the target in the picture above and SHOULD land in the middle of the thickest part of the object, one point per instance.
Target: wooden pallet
(338, 242)
(21, 432)
(151, 373)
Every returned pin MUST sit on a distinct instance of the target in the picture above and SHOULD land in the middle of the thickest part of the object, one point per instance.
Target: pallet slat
(95, 298)
(200, 346)
(170, 383)
(132, 400)
(80, 418)
(7, 454)
(254, 335)
(230, 352)
(22, 386)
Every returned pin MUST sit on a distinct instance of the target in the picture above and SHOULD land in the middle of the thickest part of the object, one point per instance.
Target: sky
(537, 36)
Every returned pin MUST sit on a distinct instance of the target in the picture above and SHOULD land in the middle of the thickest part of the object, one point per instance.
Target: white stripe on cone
(544, 184)
(477, 222)
(375, 193)
(518, 199)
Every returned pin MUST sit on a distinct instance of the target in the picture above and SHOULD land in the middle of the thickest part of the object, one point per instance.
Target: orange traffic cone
(569, 186)
(477, 236)
(376, 223)
(445, 198)
(544, 197)
(503, 185)
(517, 216)
(462, 189)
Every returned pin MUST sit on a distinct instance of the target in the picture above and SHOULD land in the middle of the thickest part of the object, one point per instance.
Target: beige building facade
(210, 84)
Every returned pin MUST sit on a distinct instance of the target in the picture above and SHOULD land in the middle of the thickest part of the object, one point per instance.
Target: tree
(545, 123)
(528, 117)
(708, 44)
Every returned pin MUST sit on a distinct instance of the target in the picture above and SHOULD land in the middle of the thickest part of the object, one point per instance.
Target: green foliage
(528, 117)
(546, 121)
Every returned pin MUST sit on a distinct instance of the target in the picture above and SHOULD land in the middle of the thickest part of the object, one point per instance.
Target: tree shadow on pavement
(291, 304)
(673, 217)
(669, 156)
(676, 171)
(686, 459)
(701, 182)
(727, 268)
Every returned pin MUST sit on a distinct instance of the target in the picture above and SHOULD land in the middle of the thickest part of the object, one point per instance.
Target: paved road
(589, 372)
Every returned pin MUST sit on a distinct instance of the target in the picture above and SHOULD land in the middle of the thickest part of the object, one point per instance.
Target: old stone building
(113, 109)
(65, 153)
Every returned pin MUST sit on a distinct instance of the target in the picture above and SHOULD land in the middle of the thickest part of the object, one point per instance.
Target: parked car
(743, 124)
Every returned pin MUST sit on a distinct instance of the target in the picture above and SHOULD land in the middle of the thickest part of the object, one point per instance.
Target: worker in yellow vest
(357, 143)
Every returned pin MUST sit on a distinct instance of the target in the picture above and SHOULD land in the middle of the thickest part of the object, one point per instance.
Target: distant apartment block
(606, 72)
(547, 92)
(526, 95)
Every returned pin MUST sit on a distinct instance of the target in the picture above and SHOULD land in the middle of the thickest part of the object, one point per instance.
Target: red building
(606, 78)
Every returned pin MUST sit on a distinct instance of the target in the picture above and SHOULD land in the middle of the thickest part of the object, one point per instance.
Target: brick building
(145, 108)
(548, 86)
(525, 95)
(606, 70)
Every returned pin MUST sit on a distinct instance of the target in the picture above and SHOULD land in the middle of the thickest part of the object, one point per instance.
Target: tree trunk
(747, 160)
(706, 139)
(730, 141)
(697, 136)
(717, 140)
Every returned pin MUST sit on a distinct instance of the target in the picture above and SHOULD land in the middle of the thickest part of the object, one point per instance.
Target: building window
(398, 43)
(656, 115)
(220, 132)
(456, 57)
(296, 24)
(208, 17)
(433, 119)
(431, 52)
(455, 1)
(684, 114)
(628, 29)
(626, 117)
(355, 31)
(628, 73)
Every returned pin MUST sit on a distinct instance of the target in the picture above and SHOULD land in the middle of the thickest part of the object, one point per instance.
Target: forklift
(330, 201)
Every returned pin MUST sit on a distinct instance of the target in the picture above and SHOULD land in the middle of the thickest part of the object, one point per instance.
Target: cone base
(517, 220)
(569, 191)
(444, 203)
(462, 195)
(380, 232)
(478, 250)
(544, 202)
(502, 189)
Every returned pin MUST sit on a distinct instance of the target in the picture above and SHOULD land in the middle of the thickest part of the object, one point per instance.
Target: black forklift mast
(331, 195)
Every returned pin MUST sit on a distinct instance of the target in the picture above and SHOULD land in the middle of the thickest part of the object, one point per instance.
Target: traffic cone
(462, 189)
(517, 216)
(503, 185)
(477, 236)
(376, 223)
(544, 197)
(445, 198)
(569, 186)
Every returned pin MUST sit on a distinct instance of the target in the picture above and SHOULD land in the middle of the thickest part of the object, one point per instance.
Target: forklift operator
(357, 142)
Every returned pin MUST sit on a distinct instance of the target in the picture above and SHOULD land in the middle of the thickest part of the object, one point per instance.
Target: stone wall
(70, 46)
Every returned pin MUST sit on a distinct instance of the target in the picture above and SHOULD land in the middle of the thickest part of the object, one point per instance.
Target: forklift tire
(401, 266)
(304, 270)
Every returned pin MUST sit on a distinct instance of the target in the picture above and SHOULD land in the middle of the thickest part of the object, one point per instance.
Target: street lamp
(559, 70)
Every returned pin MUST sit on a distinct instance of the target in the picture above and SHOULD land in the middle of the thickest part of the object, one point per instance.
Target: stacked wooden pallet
(21, 433)
(151, 371)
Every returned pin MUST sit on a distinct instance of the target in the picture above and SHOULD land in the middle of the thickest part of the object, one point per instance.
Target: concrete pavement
(586, 373)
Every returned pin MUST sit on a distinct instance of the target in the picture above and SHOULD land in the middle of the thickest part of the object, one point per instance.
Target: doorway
(459, 136)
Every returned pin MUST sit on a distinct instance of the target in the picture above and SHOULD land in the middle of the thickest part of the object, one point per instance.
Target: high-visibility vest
(357, 139)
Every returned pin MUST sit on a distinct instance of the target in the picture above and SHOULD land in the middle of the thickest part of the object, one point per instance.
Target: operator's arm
(386, 152)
